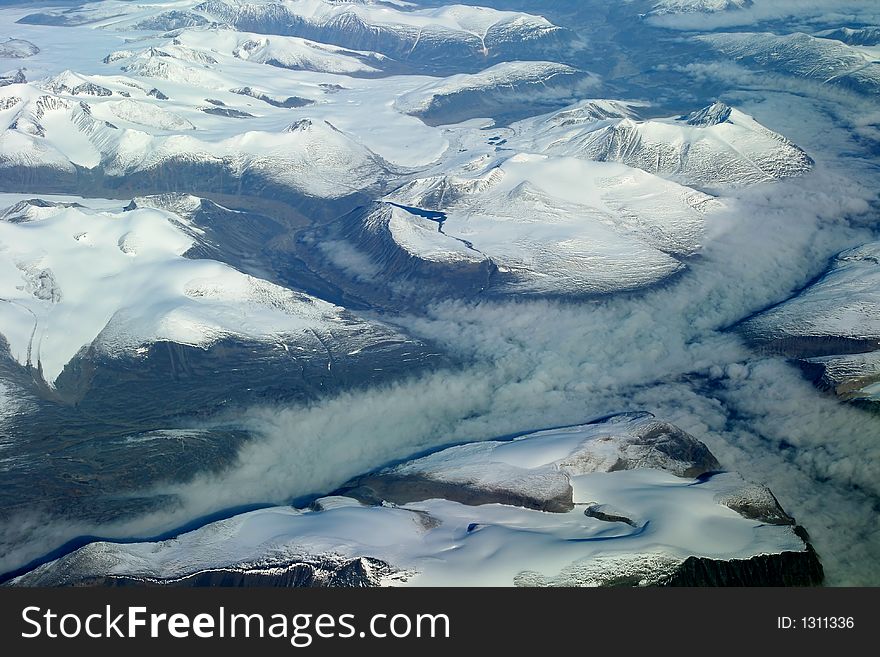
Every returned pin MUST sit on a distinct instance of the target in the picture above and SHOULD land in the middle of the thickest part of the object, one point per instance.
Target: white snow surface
(296, 53)
(844, 303)
(540, 465)
(148, 115)
(500, 75)
(57, 131)
(202, 45)
(13, 48)
(571, 451)
(189, 69)
(733, 151)
(557, 224)
(461, 18)
(854, 376)
(443, 543)
(696, 6)
(71, 277)
(451, 22)
(825, 61)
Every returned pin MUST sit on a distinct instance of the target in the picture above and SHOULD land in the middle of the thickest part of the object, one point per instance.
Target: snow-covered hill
(66, 129)
(17, 49)
(843, 303)
(501, 89)
(862, 36)
(73, 278)
(535, 224)
(714, 147)
(825, 61)
(202, 46)
(148, 115)
(305, 55)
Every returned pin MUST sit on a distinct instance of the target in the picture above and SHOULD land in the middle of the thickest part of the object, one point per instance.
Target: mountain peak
(299, 126)
(714, 114)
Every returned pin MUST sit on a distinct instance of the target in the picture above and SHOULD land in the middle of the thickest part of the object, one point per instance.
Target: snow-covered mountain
(833, 325)
(407, 225)
(74, 278)
(822, 60)
(202, 46)
(305, 55)
(627, 481)
(696, 6)
(439, 37)
(74, 123)
(714, 147)
(841, 304)
(502, 90)
(533, 224)
(861, 36)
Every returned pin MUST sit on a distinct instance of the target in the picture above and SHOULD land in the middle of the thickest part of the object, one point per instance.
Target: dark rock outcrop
(782, 569)
(599, 512)
(402, 489)
(291, 102)
(228, 112)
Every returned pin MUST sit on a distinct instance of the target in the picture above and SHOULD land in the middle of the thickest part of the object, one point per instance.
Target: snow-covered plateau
(632, 514)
